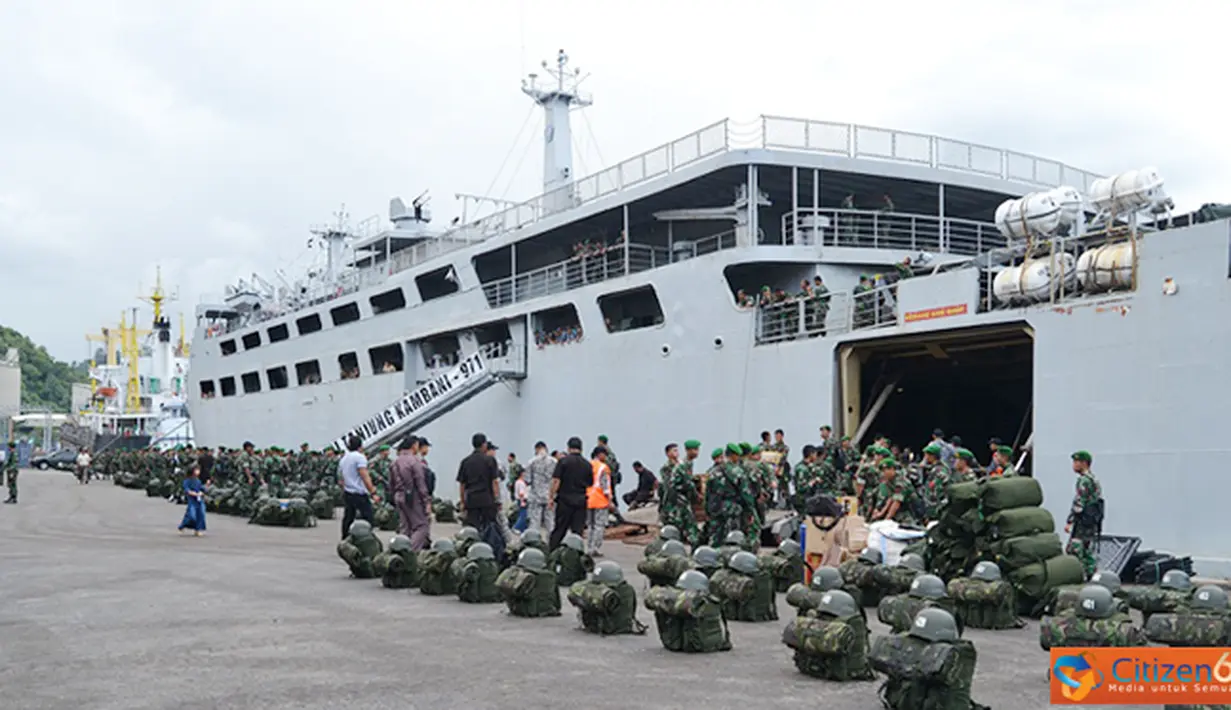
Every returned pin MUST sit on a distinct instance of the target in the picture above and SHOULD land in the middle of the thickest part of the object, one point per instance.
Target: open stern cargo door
(976, 383)
(426, 403)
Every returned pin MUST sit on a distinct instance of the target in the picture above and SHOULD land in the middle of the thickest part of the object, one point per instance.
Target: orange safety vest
(596, 494)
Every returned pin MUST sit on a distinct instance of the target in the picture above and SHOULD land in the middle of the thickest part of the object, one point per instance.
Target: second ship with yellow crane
(137, 393)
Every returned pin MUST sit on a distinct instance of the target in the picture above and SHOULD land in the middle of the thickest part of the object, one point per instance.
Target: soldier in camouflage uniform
(963, 467)
(379, 468)
(783, 474)
(808, 481)
(751, 526)
(10, 471)
(936, 477)
(895, 496)
(867, 478)
(1002, 461)
(1085, 520)
(727, 497)
(865, 303)
(678, 492)
(763, 474)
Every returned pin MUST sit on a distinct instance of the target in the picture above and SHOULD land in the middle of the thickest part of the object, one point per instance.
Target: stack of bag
(1001, 520)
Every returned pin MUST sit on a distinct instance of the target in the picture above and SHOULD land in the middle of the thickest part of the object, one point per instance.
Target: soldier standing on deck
(1085, 522)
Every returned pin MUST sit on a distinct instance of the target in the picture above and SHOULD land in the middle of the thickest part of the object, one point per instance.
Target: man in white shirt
(357, 489)
(83, 466)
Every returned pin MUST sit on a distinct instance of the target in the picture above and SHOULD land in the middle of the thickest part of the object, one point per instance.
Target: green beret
(734, 449)
(602, 438)
(965, 454)
(1006, 450)
(305, 445)
(882, 451)
(745, 448)
(716, 453)
(846, 438)
(765, 288)
(932, 448)
(1083, 456)
(692, 444)
(826, 426)
(384, 447)
(889, 463)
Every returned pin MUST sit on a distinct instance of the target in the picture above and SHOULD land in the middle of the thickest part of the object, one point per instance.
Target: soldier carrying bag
(529, 593)
(606, 609)
(434, 576)
(688, 620)
(832, 642)
(925, 675)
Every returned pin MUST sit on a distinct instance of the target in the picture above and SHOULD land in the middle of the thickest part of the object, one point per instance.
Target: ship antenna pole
(557, 98)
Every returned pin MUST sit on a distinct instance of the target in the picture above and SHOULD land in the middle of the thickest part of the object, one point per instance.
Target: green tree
(45, 381)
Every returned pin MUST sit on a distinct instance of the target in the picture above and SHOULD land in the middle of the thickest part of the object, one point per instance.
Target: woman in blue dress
(194, 516)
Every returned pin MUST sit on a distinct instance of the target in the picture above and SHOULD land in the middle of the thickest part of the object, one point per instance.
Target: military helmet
(789, 547)
(531, 558)
(1176, 579)
(934, 624)
(1108, 579)
(669, 532)
(838, 603)
(608, 572)
(444, 545)
(871, 554)
(480, 551)
(735, 537)
(693, 580)
(912, 561)
(531, 536)
(1210, 596)
(360, 528)
(986, 571)
(927, 586)
(705, 556)
(826, 578)
(573, 541)
(466, 533)
(673, 548)
(743, 562)
(1094, 601)
(399, 543)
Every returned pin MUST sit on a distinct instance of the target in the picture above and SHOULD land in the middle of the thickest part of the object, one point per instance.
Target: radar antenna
(334, 239)
(557, 98)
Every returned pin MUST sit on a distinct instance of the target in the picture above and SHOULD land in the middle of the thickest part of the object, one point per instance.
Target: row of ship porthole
(666, 349)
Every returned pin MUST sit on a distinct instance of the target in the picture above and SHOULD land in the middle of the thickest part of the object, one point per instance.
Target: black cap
(423, 441)
(938, 432)
(598, 450)
(540, 445)
(994, 441)
(491, 446)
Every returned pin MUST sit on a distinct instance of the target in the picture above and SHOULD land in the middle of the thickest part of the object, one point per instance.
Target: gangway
(430, 401)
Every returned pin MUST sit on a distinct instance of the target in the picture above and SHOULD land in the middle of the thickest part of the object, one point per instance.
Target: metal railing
(855, 141)
(831, 314)
(585, 270)
(889, 230)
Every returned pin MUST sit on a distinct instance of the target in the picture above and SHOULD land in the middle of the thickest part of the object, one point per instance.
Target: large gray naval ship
(1054, 308)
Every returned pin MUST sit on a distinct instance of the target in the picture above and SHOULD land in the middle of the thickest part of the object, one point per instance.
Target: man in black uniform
(573, 475)
(478, 480)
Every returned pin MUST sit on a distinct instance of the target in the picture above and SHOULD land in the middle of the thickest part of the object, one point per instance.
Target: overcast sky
(208, 136)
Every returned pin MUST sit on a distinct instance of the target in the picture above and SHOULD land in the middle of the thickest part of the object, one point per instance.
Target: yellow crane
(129, 335)
(158, 297)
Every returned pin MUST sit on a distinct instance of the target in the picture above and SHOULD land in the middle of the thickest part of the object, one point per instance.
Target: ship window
(308, 372)
(277, 378)
(441, 351)
(557, 326)
(630, 310)
(278, 333)
(387, 301)
(252, 340)
(228, 347)
(308, 324)
(348, 365)
(207, 389)
(495, 339)
(228, 386)
(436, 284)
(344, 314)
(386, 358)
(251, 382)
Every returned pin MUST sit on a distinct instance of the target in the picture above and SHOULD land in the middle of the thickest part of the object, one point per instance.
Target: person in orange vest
(599, 498)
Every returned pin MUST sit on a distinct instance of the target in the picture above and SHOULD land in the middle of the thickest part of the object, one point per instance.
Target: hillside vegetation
(45, 381)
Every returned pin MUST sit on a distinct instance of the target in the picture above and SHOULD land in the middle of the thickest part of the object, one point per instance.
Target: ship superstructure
(139, 390)
(979, 290)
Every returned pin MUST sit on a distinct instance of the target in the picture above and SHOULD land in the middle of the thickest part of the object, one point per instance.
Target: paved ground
(103, 605)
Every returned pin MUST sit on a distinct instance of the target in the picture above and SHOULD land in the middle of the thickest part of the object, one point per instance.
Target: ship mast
(334, 239)
(557, 98)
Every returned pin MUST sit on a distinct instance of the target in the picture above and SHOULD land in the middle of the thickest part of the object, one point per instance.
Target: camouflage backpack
(663, 569)
(529, 592)
(358, 552)
(606, 608)
(571, 566)
(385, 517)
(1064, 598)
(893, 580)
(688, 620)
(831, 642)
(322, 505)
(444, 511)
(982, 604)
(1153, 600)
(925, 673)
(434, 576)
(1069, 629)
(1190, 628)
(745, 597)
(859, 583)
(898, 611)
(786, 569)
(475, 579)
(803, 597)
(401, 569)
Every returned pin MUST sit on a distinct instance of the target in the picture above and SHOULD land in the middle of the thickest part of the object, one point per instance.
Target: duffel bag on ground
(1017, 522)
(985, 605)
(963, 497)
(1037, 580)
(1190, 629)
(1017, 552)
(1069, 629)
